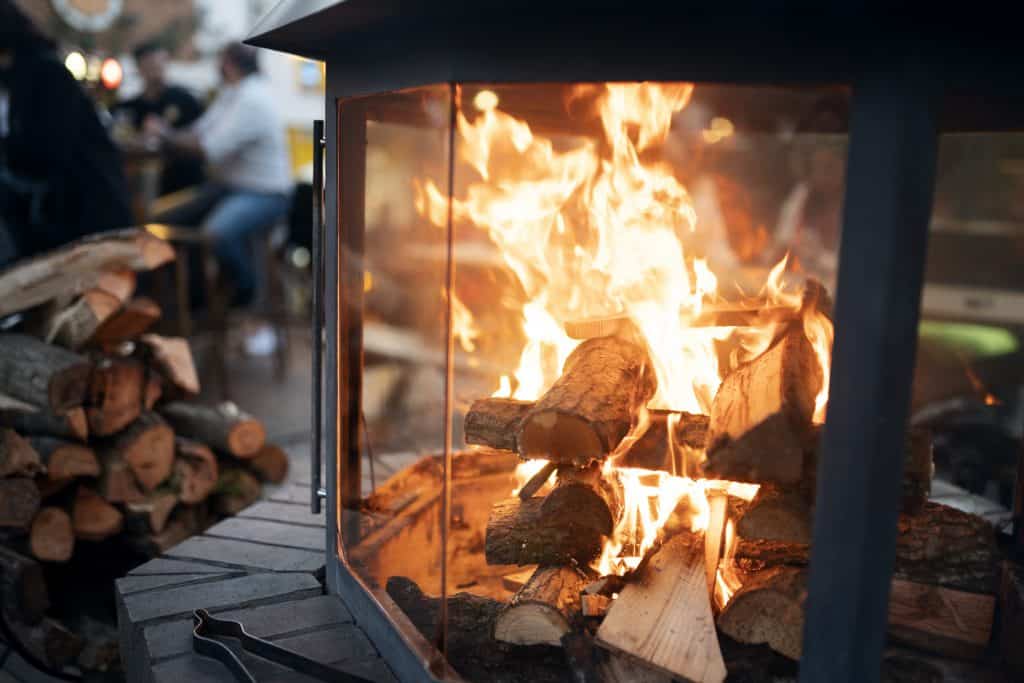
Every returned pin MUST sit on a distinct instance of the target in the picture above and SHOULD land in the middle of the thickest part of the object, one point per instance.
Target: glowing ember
(525, 471)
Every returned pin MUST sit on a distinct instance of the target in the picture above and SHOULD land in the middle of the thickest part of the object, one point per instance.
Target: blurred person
(174, 105)
(60, 174)
(241, 137)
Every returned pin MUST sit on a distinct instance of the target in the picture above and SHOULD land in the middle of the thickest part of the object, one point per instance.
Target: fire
(525, 471)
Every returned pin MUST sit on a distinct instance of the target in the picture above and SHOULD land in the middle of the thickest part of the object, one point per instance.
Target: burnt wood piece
(147, 446)
(195, 473)
(22, 587)
(117, 282)
(116, 395)
(237, 488)
(587, 411)
(270, 464)
(518, 532)
(19, 502)
(65, 459)
(495, 422)
(74, 268)
(543, 610)
(224, 427)
(761, 416)
(537, 481)
(51, 538)
(17, 457)
(42, 374)
(173, 357)
(587, 497)
(94, 519)
(663, 616)
(776, 514)
(128, 323)
(74, 325)
(152, 513)
(942, 546)
(71, 424)
(472, 650)
(1011, 609)
(941, 620)
(654, 451)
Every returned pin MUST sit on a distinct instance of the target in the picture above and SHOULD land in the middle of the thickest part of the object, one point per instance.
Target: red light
(111, 73)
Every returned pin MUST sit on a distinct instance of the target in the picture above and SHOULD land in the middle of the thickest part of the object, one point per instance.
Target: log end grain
(94, 519)
(51, 538)
(769, 609)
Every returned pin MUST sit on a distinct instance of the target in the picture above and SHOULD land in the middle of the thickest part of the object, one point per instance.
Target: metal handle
(316, 492)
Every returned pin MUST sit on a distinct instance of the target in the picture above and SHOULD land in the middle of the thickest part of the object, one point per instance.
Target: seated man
(242, 139)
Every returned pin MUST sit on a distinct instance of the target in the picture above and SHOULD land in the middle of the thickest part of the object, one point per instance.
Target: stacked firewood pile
(99, 438)
(699, 600)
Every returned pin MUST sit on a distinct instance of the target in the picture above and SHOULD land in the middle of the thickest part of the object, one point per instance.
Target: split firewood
(22, 587)
(42, 374)
(1011, 609)
(761, 415)
(664, 618)
(117, 482)
(495, 422)
(173, 357)
(147, 445)
(541, 612)
(224, 427)
(78, 266)
(94, 519)
(270, 464)
(236, 489)
(116, 395)
(768, 609)
(17, 457)
(776, 514)
(518, 532)
(659, 449)
(195, 471)
(586, 498)
(74, 325)
(49, 641)
(130, 322)
(19, 502)
(117, 282)
(587, 411)
(71, 424)
(51, 538)
(152, 513)
(65, 459)
(941, 620)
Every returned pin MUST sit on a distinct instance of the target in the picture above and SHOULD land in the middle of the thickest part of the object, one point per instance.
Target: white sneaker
(262, 342)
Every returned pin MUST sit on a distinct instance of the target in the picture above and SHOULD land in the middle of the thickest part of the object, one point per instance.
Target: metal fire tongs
(207, 628)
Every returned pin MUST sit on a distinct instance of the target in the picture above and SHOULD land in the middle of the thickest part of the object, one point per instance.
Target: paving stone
(271, 533)
(283, 512)
(266, 621)
(224, 552)
(237, 592)
(342, 643)
(148, 582)
(291, 493)
(376, 670)
(162, 565)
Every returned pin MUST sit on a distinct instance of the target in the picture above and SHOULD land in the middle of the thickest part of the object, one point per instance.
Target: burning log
(41, 374)
(664, 616)
(537, 481)
(51, 537)
(147, 446)
(65, 459)
(761, 416)
(587, 497)
(17, 457)
(19, 502)
(518, 532)
(542, 611)
(587, 411)
(495, 422)
(654, 450)
(94, 519)
(941, 620)
(71, 424)
(224, 427)
(768, 609)
(776, 514)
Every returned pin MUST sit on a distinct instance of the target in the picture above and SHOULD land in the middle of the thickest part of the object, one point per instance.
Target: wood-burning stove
(515, 197)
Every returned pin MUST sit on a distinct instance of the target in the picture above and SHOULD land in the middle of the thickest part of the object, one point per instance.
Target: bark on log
(768, 609)
(776, 514)
(587, 411)
(94, 519)
(173, 357)
(223, 427)
(935, 619)
(71, 424)
(129, 323)
(116, 395)
(19, 502)
(585, 496)
(147, 446)
(17, 457)
(151, 514)
(41, 374)
(65, 459)
(195, 471)
(761, 416)
(519, 533)
(270, 464)
(51, 538)
(237, 489)
(22, 587)
(495, 422)
(542, 611)
(74, 325)
(77, 267)
(664, 618)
